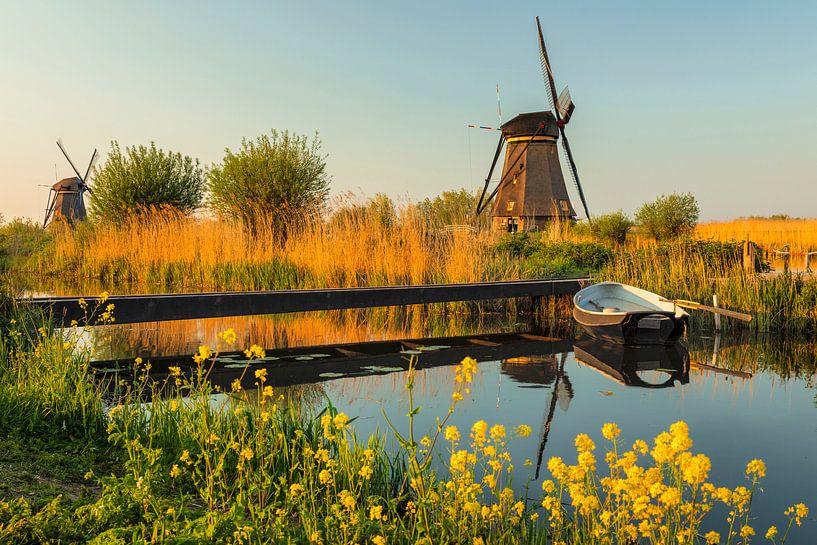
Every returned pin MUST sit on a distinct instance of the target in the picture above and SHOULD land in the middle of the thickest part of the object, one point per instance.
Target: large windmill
(66, 199)
(532, 191)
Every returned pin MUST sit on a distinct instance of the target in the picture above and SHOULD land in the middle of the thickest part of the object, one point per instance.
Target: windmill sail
(565, 105)
(554, 101)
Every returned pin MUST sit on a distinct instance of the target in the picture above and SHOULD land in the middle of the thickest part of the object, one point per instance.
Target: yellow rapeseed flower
(452, 433)
(228, 335)
(479, 431)
(295, 490)
(174, 371)
(261, 374)
(246, 454)
(523, 430)
(771, 533)
(254, 352)
(366, 472)
(747, 531)
(498, 431)
(175, 471)
(379, 540)
(340, 421)
(610, 431)
(236, 385)
(584, 443)
(756, 467)
(376, 512)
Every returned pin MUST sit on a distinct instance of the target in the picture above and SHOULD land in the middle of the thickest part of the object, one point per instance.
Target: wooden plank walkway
(188, 306)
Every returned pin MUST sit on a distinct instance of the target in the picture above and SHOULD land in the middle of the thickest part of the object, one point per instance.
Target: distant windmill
(532, 191)
(66, 199)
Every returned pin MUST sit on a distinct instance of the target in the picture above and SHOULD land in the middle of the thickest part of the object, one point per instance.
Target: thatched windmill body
(532, 191)
(67, 197)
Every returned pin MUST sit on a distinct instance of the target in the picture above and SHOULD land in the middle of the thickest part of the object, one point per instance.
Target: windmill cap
(528, 124)
(67, 184)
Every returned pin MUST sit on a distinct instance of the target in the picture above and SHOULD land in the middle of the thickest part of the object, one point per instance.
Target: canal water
(743, 397)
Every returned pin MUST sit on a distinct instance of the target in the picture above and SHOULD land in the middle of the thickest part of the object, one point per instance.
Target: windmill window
(521, 166)
(514, 179)
(510, 205)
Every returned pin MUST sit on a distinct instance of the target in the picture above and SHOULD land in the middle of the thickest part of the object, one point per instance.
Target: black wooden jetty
(187, 306)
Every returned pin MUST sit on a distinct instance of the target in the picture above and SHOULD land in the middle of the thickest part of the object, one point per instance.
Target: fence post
(717, 316)
(748, 256)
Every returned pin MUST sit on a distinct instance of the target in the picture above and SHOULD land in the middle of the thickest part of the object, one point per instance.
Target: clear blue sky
(715, 98)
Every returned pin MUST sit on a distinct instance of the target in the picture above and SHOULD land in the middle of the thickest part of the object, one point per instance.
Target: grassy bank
(249, 466)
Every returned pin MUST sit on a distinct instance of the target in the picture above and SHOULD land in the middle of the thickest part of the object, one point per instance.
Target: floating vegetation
(382, 369)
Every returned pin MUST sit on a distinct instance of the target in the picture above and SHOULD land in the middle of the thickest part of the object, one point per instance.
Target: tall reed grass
(771, 234)
(781, 302)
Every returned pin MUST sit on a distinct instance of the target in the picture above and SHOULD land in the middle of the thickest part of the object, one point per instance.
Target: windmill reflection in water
(627, 365)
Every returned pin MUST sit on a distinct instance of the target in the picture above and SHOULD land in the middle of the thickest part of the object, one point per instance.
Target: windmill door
(513, 225)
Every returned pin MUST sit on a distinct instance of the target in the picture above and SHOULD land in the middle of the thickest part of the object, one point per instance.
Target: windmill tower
(66, 199)
(531, 191)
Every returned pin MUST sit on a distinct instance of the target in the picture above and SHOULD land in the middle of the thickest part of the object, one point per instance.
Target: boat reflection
(628, 365)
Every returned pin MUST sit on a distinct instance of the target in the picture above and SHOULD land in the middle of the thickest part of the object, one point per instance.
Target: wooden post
(717, 316)
(748, 256)
(786, 262)
(808, 261)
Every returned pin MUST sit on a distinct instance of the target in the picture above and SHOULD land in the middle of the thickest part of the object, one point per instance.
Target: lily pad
(320, 355)
(332, 375)
(411, 352)
(605, 392)
(381, 369)
(237, 365)
(304, 358)
(434, 347)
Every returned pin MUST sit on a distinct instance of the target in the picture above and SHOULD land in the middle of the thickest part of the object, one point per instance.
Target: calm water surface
(732, 419)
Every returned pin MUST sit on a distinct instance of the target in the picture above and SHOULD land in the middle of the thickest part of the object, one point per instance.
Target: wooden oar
(715, 310)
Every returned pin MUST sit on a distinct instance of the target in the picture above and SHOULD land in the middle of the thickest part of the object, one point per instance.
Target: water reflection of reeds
(322, 328)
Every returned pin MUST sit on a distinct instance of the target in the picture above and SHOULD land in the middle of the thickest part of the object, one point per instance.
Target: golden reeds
(770, 234)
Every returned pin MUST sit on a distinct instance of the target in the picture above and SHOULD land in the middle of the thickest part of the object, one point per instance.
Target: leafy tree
(612, 227)
(379, 208)
(278, 177)
(143, 177)
(450, 208)
(669, 216)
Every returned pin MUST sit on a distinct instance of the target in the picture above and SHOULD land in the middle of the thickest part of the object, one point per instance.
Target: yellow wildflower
(228, 336)
(747, 531)
(610, 431)
(452, 433)
(366, 472)
(267, 391)
(254, 352)
(173, 405)
(376, 512)
(379, 540)
(236, 385)
(246, 453)
(295, 490)
(174, 371)
(584, 443)
(325, 476)
(261, 374)
(340, 421)
(204, 353)
(523, 430)
(479, 431)
(498, 431)
(185, 457)
(771, 533)
(756, 467)
(175, 471)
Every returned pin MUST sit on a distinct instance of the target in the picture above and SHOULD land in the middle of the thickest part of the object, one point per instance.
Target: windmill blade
(49, 207)
(90, 166)
(482, 204)
(547, 73)
(62, 149)
(573, 172)
(554, 101)
(565, 105)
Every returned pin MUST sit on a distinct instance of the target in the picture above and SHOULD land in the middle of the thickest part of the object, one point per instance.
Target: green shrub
(144, 177)
(277, 178)
(669, 216)
(20, 240)
(451, 208)
(611, 227)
